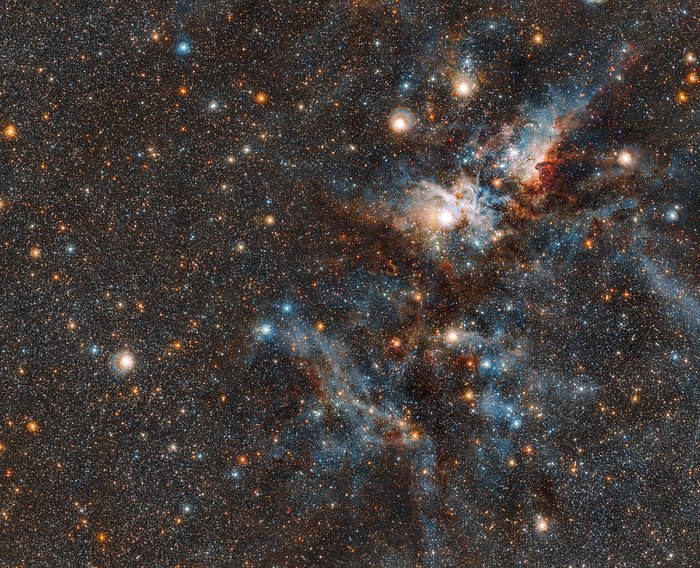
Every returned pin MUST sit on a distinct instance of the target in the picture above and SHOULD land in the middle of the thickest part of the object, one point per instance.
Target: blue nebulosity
(350, 284)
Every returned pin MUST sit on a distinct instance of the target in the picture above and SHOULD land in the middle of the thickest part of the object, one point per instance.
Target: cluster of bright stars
(692, 78)
(402, 120)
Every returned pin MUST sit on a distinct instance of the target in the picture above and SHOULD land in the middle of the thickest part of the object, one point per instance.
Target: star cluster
(353, 283)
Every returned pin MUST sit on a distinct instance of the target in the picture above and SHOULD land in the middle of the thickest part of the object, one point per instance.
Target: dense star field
(356, 283)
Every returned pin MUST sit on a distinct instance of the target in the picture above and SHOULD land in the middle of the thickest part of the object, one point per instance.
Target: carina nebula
(355, 283)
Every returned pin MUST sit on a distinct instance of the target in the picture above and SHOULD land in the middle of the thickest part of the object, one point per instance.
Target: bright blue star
(183, 47)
